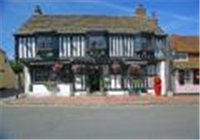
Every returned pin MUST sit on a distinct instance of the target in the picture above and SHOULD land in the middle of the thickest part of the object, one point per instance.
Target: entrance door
(94, 79)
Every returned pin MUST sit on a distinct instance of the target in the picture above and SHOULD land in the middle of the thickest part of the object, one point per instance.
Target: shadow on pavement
(6, 93)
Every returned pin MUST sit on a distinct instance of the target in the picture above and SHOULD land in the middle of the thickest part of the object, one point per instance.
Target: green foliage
(17, 66)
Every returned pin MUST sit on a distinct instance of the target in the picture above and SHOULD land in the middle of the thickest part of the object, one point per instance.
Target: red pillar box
(157, 85)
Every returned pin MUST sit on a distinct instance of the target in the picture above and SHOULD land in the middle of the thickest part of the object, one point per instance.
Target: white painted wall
(187, 88)
(80, 93)
(26, 47)
(117, 93)
(64, 90)
(42, 90)
(163, 76)
(27, 80)
(151, 91)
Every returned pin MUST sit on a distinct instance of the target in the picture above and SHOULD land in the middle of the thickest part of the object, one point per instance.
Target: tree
(17, 67)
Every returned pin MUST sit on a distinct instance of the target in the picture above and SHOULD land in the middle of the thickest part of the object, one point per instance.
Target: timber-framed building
(73, 55)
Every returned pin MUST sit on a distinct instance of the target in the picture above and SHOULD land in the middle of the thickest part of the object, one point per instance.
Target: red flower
(56, 67)
(76, 68)
(115, 66)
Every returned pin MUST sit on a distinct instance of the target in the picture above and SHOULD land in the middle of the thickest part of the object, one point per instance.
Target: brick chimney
(154, 19)
(140, 13)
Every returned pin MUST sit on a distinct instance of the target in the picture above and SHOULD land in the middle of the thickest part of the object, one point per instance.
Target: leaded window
(97, 45)
(46, 74)
(188, 76)
(47, 46)
(41, 73)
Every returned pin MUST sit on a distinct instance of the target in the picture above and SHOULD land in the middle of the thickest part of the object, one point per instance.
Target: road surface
(133, 121)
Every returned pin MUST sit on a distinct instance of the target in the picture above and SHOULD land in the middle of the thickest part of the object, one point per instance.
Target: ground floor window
(45, 74)
(150, 80)
(41, 73)
(114, 82)
(80, 82)
(151, 73)
(196, 76)
(97, 77)
(189, 76)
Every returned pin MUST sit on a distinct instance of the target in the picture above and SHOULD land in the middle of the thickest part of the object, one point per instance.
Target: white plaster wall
(151, 91)
(41, 90)
(27, 80)
(64, 90)
(163, 76)
(187, 88)
(80, 93)
(117, 92)
(118, 82)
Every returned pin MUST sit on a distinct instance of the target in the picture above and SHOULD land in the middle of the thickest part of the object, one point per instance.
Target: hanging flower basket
(76, 68)
(52, 87)
(134, 69)
(56, 67)
(115, 67)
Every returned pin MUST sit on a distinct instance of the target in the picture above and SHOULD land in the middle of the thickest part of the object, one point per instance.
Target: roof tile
(84, 23)
(184, 43)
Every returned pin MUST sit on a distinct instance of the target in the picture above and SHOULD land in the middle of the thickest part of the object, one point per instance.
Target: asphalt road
(155, 121)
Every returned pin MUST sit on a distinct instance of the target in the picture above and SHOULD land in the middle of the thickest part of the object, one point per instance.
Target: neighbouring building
(7, 76)
(185, 64)
(73, 55)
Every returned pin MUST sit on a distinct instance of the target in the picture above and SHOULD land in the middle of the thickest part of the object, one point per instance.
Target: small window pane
(188, 76)
(196, 76)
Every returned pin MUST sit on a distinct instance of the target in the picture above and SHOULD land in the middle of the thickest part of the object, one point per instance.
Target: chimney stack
(154, 19)
(140, 11)
(140, 14)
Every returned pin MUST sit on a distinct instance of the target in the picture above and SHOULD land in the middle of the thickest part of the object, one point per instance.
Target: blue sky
(175, 16)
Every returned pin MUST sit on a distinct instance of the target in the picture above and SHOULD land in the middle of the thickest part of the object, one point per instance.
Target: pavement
(175, 121)
(102, 100)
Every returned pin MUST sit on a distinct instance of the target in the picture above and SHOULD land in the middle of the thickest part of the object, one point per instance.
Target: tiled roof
(184, 43)
(186, 64)
(1, 50)
(84, 23)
